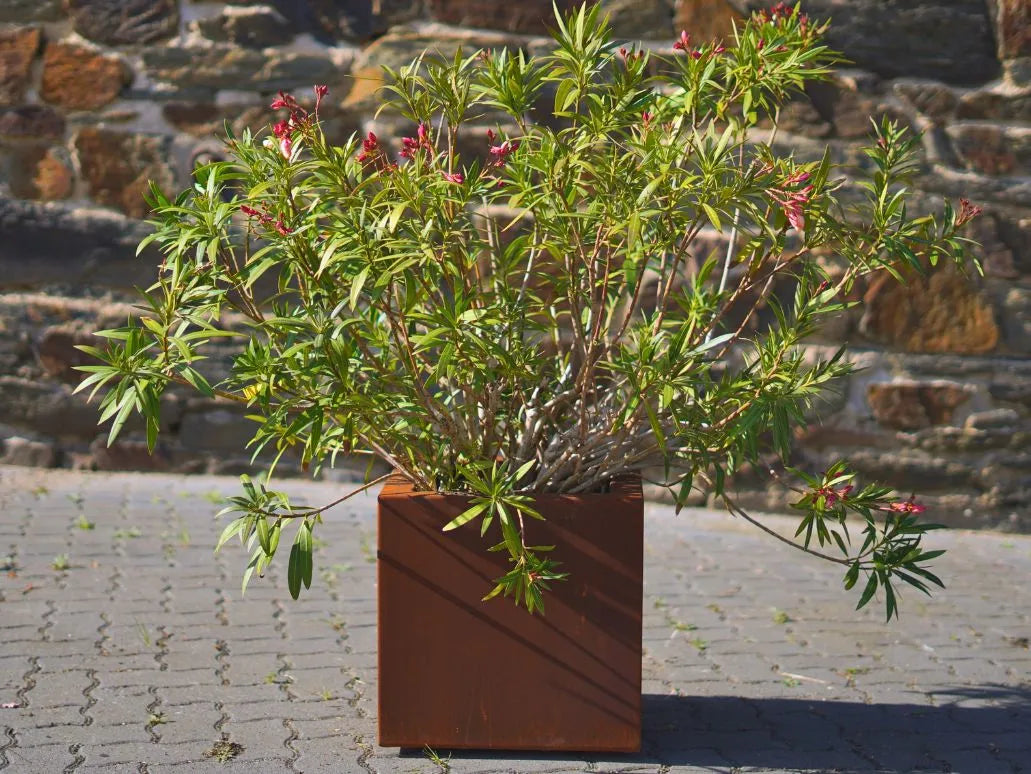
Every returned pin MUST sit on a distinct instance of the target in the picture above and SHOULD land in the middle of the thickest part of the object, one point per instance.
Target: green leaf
(299, 569)
(357, 285)
(713, 216)
(868, 592)
(467, 515)
(264, 535)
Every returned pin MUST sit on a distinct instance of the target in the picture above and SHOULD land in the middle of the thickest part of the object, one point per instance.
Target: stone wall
(97, 97)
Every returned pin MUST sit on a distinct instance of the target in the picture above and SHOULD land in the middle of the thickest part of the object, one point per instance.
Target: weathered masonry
(97, 97)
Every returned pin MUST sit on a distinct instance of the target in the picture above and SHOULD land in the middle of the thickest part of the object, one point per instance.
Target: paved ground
(142, 654)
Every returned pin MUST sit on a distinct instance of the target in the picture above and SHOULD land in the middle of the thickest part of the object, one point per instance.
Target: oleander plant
(549, 312)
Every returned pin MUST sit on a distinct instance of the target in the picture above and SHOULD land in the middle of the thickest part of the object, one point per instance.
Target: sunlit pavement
(127, 646)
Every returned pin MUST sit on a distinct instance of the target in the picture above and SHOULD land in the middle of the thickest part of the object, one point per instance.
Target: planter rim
(625, 487)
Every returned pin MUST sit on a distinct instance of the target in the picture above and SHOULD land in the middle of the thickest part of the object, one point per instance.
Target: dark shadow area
(970, 729)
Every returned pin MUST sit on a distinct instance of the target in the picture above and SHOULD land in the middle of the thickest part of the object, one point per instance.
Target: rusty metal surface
(456, 672)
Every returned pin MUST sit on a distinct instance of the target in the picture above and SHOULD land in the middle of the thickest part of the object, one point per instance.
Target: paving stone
(929, 691)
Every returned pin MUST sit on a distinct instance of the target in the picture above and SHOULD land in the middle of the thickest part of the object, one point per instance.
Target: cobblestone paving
(141, 654)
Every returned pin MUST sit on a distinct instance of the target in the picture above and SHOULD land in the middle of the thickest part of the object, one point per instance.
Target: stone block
(929, 98)
(220, 431)
(911, 471)
(1015, 314)
(33, 454)
(996, 418)
(33, 123)
(30, 10)
(915, 405)
(257, 27)
(46, 408)
(18, 47)
(942, 311)
(216, 65)
(128, 455)
(850, 99)
(992, 149)
(706, 19)
(993, 105)
(637, 19)
(996, 248)
(533, 17)
(78, 78)
(1018, 71)
(330, 21)
(58, 354)
(398, 47)
(118, 167)
(1012, 27)
(944, 40)
(124, 22)
(48, 245)
(38, 172)
(1018, 391)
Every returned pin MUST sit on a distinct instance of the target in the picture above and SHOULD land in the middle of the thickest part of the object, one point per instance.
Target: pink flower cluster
(502, 151)
(283, 133)
(370, 148)
(629, 56)
(905, 506)
(266, 219)
(831, 495)
(299, 117)
(409, 145)
(781, 12)
(792, 203)
(967, 212)
(683, 43)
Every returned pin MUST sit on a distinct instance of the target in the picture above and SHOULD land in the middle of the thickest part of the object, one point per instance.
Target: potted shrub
(619, 280)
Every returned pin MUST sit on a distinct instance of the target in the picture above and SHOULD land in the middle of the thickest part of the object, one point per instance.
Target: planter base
(457, 672)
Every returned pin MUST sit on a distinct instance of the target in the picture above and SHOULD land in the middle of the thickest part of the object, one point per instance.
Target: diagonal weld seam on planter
(457, 672)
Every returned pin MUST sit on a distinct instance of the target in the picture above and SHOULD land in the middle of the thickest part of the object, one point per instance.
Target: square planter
(457, 672)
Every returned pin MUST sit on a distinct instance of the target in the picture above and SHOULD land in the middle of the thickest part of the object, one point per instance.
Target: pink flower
(792, 203)
(761, 44)
(409, 145)
(457, 177)
(501, 152)
(287, 101)
(906, 506)
(798, 177)
(629, 55)
(831, 495)
(683, 42)
(370, 148)
(696, 54)
(646, 120)
(320, 92)
(281, 228)
(490, 136)
(281, 130)
(719, 49)
(967, 212)
(284, 100)
(262, 215)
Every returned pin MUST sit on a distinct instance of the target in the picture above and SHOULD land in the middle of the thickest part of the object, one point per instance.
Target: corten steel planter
(457, 672)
